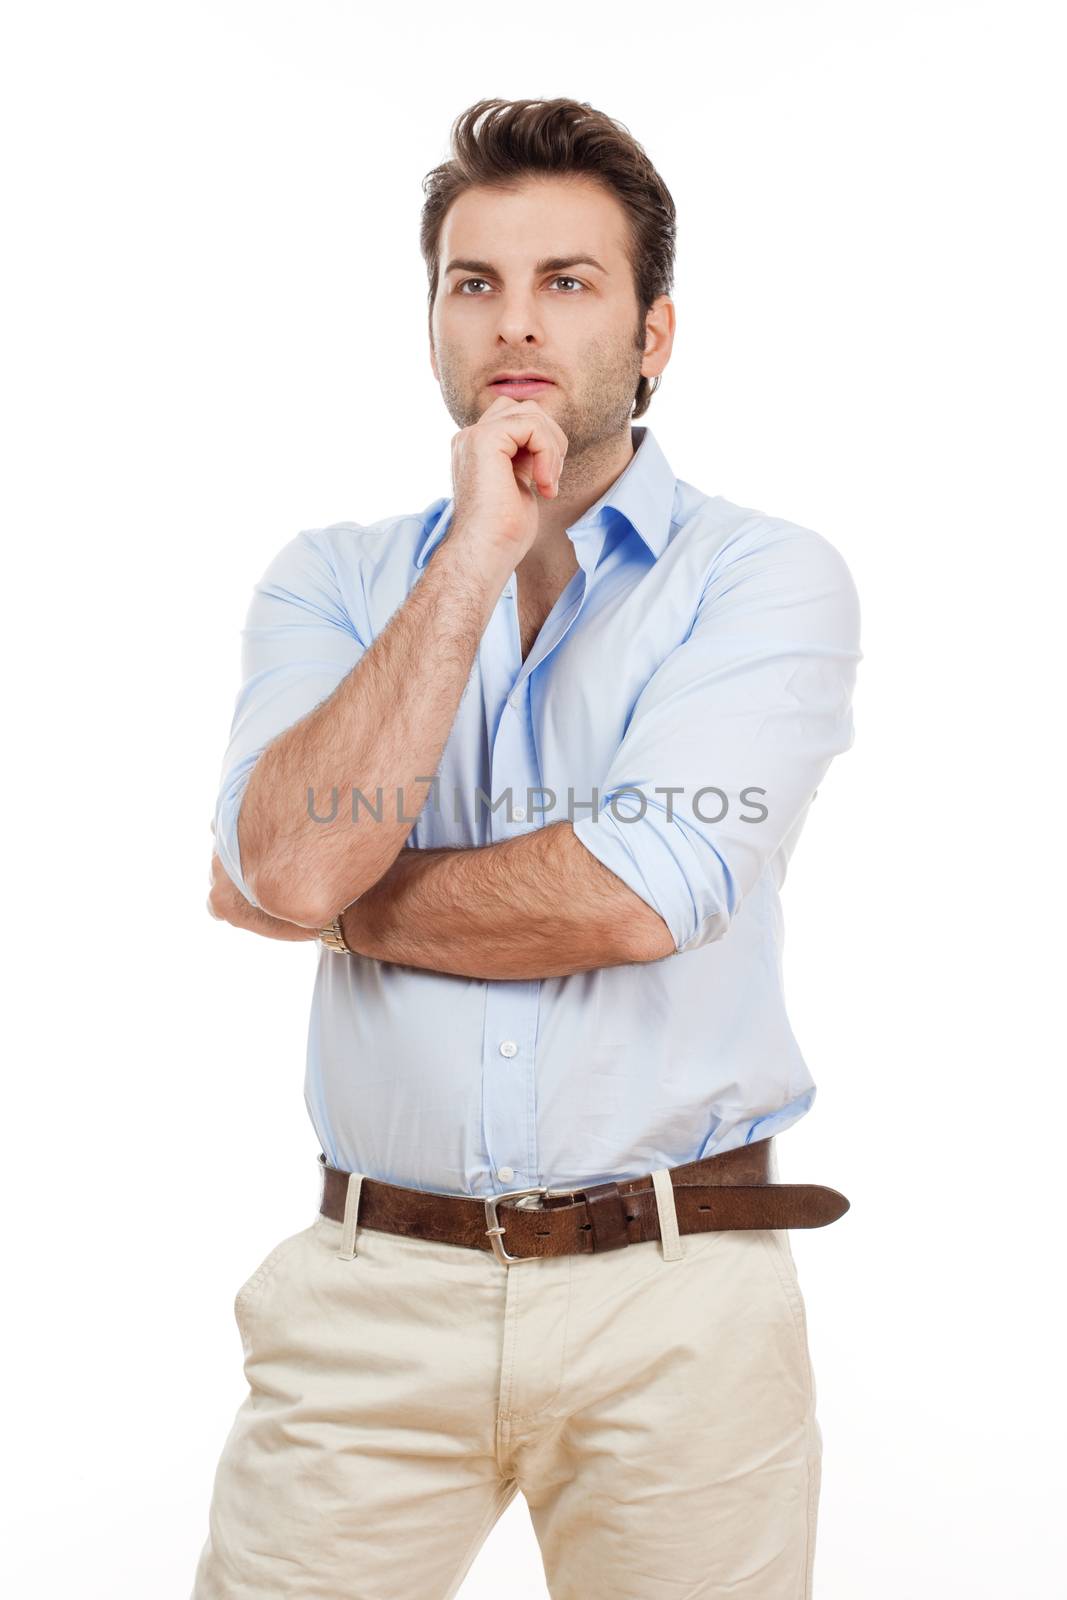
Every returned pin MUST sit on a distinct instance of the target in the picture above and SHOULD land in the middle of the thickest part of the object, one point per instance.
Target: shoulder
(346, 555)
(755, 574)
(351, 547)
(338, 572)
(736, 543)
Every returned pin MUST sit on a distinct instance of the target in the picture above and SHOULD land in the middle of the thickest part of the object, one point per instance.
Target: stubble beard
(592, 426)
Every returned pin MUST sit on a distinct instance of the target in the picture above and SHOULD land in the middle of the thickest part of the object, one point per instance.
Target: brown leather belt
(728, 1190)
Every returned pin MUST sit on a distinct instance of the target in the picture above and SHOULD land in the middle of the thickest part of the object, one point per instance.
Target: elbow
(647, 936)
(282, 884)
(287, 900)
(658, 942)
(301, 900)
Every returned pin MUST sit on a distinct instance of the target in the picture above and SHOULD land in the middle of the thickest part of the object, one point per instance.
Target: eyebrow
(546, 264)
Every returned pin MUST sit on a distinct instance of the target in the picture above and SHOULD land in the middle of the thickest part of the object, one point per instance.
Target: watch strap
(333, 938)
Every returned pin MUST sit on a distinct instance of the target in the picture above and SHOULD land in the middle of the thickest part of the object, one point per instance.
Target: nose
(518, 321)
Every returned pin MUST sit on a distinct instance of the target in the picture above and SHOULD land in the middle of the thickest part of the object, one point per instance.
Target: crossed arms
(758, 690)
(535, 907)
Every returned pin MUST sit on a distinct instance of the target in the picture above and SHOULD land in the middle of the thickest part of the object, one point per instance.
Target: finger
(509, 403)
(531, 430)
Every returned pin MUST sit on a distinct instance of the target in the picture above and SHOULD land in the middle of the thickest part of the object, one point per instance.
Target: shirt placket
(509, 1087)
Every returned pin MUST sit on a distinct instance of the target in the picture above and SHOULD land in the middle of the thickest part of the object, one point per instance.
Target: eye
(560, 278)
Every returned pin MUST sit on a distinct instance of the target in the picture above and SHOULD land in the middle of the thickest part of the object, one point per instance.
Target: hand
(512, 456)
(227, 904)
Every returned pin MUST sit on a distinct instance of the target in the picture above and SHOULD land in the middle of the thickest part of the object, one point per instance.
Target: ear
(659, 336)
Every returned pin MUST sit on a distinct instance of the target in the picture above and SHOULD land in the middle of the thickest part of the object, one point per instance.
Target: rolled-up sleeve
(751, 709)
(298, 643)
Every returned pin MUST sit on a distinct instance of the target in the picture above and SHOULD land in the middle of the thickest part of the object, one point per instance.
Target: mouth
(521, 385)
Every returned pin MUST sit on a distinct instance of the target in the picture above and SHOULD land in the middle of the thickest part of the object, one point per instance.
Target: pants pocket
(775, 1242)
(251, 1292)
(780, 1239)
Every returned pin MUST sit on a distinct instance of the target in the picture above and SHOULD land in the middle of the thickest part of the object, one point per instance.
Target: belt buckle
(495, 1229)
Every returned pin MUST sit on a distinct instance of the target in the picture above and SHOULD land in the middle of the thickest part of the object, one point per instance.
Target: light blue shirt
(703, 648)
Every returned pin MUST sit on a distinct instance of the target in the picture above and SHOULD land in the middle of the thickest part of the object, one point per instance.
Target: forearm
(540, 906)
(381, 732)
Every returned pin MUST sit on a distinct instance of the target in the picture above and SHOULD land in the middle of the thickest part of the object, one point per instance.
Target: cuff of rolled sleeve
(227, 811)
(656, 858)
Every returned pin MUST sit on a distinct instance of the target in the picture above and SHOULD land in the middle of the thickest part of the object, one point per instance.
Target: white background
(214, 337)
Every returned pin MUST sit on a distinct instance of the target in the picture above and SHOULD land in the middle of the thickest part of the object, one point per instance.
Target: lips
(521, 388)
(518, 377)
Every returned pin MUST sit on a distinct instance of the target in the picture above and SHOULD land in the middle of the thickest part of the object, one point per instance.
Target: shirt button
(509, 1048)
(505, 1173)
(519, 813)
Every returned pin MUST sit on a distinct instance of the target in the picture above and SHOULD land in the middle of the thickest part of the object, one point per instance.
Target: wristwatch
(333, 938)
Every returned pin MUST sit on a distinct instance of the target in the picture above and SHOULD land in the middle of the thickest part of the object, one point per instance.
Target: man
(530, 765)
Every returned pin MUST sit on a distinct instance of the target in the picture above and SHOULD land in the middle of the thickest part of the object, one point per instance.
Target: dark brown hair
(522, 137)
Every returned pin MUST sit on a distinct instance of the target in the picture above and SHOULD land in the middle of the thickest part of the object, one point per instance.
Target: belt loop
(348, 1231)
(670, 1239)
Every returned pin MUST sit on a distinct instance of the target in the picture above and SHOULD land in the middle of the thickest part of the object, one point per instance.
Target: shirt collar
(643, 493)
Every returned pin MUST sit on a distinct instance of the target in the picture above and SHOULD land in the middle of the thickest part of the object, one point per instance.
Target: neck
(584, 479)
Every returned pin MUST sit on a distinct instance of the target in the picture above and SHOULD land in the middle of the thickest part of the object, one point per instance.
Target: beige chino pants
(654, 1404)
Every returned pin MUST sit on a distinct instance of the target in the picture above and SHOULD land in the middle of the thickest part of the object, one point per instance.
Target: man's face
(577, 325)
